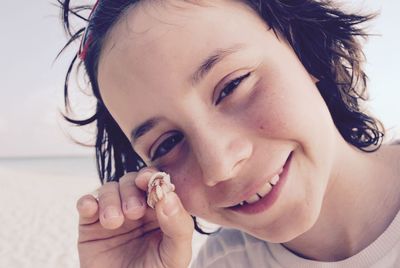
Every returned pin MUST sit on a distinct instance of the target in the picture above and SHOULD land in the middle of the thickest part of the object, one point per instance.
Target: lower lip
(267, 201)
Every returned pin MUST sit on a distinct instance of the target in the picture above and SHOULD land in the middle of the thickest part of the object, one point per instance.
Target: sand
(38, 224)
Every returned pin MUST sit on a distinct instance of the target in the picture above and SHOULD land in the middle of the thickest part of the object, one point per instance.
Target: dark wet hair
(326, 39)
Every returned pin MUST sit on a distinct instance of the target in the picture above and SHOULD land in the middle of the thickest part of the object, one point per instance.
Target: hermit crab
(159, 185)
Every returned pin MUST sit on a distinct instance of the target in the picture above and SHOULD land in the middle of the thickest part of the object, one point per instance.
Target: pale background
(42, 172)
(31, 85)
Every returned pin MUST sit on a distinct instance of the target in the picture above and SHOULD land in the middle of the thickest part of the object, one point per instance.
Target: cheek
(286, 110)
(188, 184)
(268, 112)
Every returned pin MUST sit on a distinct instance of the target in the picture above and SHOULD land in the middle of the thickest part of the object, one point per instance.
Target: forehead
(158, 44)
(169, 32)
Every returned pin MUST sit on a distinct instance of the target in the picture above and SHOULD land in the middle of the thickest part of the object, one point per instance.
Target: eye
(167, 145)
(230, 87)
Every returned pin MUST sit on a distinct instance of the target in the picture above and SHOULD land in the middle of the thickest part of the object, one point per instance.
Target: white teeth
(265, 189)
(274, 180)
(253, 199)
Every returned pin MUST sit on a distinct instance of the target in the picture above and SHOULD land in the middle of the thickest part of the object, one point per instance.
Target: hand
(120, 230)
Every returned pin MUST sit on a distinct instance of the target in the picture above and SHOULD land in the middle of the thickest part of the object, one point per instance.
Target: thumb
(177, 227)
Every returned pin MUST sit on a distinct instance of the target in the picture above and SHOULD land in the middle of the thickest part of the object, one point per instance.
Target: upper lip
(254, 187)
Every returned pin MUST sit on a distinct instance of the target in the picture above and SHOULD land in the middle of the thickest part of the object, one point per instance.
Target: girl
(255, 109)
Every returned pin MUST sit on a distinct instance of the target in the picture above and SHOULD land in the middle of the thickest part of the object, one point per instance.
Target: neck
(360, 203)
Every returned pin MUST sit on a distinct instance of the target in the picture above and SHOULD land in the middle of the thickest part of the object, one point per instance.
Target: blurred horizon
(46, 157)
(31, 91)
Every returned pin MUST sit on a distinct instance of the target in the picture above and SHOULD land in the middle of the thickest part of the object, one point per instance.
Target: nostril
(238, 165)
(223, 171)
(213, 181)
(221, 157)
(210, 183)
(241, 152)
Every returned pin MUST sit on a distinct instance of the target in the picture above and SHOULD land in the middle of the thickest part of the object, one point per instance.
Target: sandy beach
(38, 226)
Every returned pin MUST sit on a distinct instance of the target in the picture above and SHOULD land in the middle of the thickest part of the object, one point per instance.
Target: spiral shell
(159, 185)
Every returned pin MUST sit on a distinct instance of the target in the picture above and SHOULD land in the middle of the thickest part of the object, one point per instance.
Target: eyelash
(228, 89)
(159, 152)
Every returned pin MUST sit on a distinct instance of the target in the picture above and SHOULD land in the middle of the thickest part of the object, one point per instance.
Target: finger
(88, 209)
(143, 176)
(177, 227)
(111, 216)
(133, 199)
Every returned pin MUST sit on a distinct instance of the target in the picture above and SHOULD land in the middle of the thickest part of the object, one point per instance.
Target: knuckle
(130, 176)
(111, 185)
(127, 181)
(108, 187)
(108, 195)
(147, 171)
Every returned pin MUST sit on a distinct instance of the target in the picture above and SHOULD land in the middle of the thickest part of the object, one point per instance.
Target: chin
(288, 228)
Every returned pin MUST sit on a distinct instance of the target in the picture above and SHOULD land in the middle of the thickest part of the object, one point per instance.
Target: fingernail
(84, 204)
(171, 205)
(146, 172)
(111, 212)
(134, 203)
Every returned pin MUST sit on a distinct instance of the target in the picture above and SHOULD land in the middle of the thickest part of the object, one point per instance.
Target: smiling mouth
(268, 187)
(263, 191)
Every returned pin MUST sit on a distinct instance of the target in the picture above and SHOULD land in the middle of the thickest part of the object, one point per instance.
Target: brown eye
(167, 145)
(230, 87)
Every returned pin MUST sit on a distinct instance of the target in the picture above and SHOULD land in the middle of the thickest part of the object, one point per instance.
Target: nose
(220, 153)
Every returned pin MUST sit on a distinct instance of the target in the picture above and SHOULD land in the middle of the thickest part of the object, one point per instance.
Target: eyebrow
(212, 60)
(206, 66)
(143, 128)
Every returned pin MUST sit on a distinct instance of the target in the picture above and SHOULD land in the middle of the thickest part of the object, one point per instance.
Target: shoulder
(231, 248)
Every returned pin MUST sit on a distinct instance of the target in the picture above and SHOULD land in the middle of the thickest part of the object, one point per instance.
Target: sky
(31, 83)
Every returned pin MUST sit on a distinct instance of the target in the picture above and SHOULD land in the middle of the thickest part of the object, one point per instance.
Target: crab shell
(159, 185)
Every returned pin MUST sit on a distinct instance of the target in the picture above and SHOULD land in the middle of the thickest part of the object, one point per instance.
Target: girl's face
(208, 94)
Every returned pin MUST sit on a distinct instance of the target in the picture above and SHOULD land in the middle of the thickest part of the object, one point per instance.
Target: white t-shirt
(233, 248)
